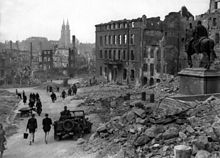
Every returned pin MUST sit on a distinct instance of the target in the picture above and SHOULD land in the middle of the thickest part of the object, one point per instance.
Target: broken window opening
(100, 71)
(132, 38)
(106, 54)
(101, 41)
(124, 54)
(114, 55)
(132, 75)
(214, 22)
(152, 52)
(119, 55)
(110, 54)
(100, 54)
(132, 55)
(124, 74)
(151, 69)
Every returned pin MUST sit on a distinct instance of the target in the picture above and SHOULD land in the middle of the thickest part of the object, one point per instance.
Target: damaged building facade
(118, 51)
(142, 50)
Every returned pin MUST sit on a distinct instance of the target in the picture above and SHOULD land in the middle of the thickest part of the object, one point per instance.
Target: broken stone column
(182, 151)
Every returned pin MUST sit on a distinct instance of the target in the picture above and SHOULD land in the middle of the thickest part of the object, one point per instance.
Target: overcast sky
(20, 19)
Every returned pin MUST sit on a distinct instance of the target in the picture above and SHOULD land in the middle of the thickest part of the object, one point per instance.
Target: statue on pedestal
(201, 44)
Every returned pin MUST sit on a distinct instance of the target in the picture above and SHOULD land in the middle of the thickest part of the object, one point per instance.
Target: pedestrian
(2, 140)
(24, 99)
(23, 94)
(69, 92)
(39, 107)
(47, 122)
(58, 89)
(37, 96)
(53, 97)
(74, 88)
(63, 94)
(32, 126)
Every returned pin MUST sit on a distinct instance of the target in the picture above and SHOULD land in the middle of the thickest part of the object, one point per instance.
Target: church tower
(64, 41)
(67, 35)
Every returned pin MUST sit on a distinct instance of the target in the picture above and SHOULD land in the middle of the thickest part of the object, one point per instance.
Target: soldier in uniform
(65, 113)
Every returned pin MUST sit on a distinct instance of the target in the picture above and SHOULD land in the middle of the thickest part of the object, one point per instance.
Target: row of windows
(149, 50)
(132, 74)
(118, 26)
(115, 39)
(117, 54)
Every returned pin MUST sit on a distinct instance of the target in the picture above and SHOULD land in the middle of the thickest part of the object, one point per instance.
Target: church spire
(67, 23)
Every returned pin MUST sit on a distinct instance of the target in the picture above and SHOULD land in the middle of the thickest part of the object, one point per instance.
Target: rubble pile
(152, 130)
(8, 102)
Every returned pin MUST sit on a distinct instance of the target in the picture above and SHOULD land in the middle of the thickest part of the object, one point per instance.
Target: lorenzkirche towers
(65, 36)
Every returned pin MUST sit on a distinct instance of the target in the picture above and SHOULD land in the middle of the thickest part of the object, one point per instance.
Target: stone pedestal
(199, 81)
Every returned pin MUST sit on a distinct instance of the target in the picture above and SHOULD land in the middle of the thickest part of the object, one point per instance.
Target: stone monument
(194, 81)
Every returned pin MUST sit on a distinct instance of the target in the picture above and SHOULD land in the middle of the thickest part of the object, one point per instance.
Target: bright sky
(20, 19)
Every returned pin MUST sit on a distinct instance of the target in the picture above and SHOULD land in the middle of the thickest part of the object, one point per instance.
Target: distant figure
(37, 96)
(47, 88)
(23, 94)
(39, 107)
(19, 95)
(53, 97)
(50, 89)
(69, 92)
(63, 94)
(65, 113)
(74, 88)
(58, 89)
(47, 122)
(2, 140)
(32, 126)
(24, 99)
(16, 91)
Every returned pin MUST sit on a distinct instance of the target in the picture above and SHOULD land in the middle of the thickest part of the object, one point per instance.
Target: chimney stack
(31, 55)
(10, 43)
(17, 45)
(74, 41)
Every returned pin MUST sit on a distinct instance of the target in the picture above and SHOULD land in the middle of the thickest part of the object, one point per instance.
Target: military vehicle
(74, 125)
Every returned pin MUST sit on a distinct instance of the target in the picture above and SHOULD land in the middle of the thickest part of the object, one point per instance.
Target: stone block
(199, 81)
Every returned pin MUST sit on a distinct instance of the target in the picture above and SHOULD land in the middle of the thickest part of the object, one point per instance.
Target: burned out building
(46, 60)
(119, 51)
(140, 51)
(152, 34)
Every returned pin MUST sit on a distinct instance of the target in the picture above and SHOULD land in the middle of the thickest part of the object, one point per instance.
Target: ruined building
(65, 36)
(142, 50)
(118, 51)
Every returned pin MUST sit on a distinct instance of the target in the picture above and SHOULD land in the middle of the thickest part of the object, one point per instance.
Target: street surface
(20, 148)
